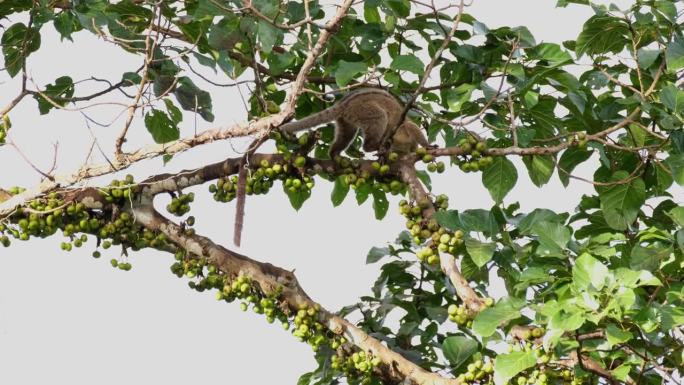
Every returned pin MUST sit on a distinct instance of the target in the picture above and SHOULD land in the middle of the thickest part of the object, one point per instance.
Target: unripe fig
(300, 161)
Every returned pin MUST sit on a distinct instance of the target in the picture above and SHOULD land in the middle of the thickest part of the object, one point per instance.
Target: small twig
(618, 82)
(213, 83)
(259, 86)
(635, 51)
(13, 103)
(513, 127)
(55, 147)
(307, 15)
(11, 143)
(632, 176)
(149, 48)
(97, 142)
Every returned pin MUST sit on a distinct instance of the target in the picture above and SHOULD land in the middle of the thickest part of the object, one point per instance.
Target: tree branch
(407, 172)
(395, 368)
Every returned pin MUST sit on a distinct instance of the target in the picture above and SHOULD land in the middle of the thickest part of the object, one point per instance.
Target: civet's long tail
(310, 121)
(241, 189)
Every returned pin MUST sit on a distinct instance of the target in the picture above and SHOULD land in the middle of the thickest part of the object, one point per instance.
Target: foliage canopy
(593, 296)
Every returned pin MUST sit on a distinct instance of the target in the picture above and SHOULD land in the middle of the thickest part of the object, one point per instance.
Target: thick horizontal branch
(148, 152)
(241, 130)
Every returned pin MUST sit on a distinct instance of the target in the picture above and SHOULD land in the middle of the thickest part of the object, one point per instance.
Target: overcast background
(66, 318)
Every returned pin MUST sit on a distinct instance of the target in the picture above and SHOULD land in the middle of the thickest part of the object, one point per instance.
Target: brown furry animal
(371, 110)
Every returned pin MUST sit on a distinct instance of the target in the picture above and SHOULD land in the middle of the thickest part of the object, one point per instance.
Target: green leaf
(602, 34)
(589, 272)
(448, 219)
(66, 23)
(674, 55)
(458, 349)
(375, 254)
(621, 202)
(658, 179)
(130, 79)
(225, 34)
(638, 134)
(632, 279)
(407, 328)
(424, 177)
(305, 379)
(529, 221)
(564, 3)
(480, 252)
(676, 164)
(455, 97)
(499, 178)
(672, 317)
(18, 42)
(363, 192)
(647, 57)
(175, 114)
(268, 36)
(470, 270)
(162, 128)
(507, 366)
(568, 318)
(401, 8)
(163, 84)
(666, 9)
(553, 237)
(297, 197)
(59, 93)
(677, 215)
(552, 53)
(206, 61)
(621, 373)
(409, 63)
(540, 168)
(570, 159)
(437, 314)
(192, 98)
(479, 220)
(486, 322)
(370, 12)
(531, 99)
(648, 258)
(340, 191)
(615, 335)
(128, 8)
(210, 8)
(346, 71)
(280, 62)
(380, 203)
(531, 276)
(673, 98)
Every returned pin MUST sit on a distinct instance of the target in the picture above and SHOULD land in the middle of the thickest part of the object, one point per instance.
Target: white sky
(68, 319)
